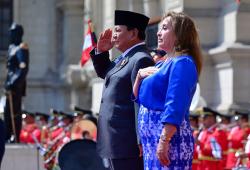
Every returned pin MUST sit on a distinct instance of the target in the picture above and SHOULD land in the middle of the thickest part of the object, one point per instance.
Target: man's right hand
(104, 43)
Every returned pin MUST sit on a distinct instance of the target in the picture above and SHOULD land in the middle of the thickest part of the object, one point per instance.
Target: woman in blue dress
(164, 94)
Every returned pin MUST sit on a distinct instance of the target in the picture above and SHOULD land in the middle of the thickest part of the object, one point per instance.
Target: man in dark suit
(116, 135)
(15, 84)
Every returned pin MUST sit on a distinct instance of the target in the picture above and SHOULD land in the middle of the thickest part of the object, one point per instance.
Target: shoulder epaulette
(24, 45)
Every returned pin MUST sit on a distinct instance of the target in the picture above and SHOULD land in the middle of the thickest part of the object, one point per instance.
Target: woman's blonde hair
(187, 38)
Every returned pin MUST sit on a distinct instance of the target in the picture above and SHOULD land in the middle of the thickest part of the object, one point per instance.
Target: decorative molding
(70, 4)
(203, 12)
(225, 54)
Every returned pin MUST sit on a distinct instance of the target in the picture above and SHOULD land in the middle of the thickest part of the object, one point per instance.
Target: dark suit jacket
(116, 136)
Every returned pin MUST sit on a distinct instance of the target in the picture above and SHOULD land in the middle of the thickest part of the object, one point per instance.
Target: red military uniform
(195, 162)
(55, 135)
(222, 136)
(194, 122)
(58, 137)
(207, 161)
(247, 152)
(236, 138)
(29, 132)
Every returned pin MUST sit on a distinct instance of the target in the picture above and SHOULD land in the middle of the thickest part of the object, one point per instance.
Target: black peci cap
(131, 19)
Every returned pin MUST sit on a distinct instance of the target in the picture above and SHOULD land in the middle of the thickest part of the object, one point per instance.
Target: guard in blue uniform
(15, 84)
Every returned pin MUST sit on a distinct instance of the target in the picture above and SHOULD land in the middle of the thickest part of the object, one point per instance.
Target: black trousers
(126, 164)
(17, 102)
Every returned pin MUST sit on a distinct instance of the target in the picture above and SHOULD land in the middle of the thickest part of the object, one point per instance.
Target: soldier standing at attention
(237, 138)
(210, 141)
(30, 132)
(15, 84)
(194, 122)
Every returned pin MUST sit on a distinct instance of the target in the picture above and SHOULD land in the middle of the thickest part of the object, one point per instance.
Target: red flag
(89, 44)
(237, 1)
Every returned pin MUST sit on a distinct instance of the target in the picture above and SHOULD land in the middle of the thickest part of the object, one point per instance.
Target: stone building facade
(54, 31)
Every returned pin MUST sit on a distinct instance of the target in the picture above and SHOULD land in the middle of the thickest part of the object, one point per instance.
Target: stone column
(231, 58)
(243, 26)
(206, 15)
(80, 90)
(73, 30)
(137, 6)
(123, 5)
(174, 5)
(108, 13)
(16, 8)
(108, 16)
(232, 81)
(152, 8)
(98, 10)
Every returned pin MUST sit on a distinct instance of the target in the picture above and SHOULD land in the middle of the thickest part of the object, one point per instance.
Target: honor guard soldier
(54, 126)
(226, 120)
(30, 133)
(66, 122)
(42, 118)
(64, 125)
(225, 125)
(61, 130)
(58, 136)
(194, 122)
(15, 84)
(237, 137)
(42, 122)
(210, 141)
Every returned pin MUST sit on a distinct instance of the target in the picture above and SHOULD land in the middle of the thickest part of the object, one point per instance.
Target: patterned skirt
(181, 145)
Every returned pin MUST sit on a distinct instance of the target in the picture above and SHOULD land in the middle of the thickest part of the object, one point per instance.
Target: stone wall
(21, 157)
